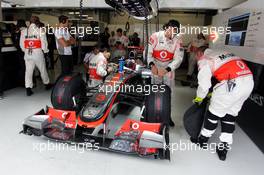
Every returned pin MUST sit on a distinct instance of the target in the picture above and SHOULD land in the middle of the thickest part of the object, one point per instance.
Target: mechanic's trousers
(30, 66)
(192, 63)
(225, 105)
(227, 127)
(66, 64)
(168, 79)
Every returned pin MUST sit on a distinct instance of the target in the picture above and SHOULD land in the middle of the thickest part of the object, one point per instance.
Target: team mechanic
(193, 46)
(33, 43)
(228, 96)
(165, 54)
(98, 67)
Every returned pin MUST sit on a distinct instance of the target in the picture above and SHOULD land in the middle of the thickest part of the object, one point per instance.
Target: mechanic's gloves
(198, 100)
(209, 95)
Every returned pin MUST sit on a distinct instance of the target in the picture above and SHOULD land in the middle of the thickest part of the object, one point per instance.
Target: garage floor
(20, 154)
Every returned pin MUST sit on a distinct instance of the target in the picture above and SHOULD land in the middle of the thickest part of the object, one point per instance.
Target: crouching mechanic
(234, 87)
(33, 43)
(98, 67)
(87, 58)
(165, 54)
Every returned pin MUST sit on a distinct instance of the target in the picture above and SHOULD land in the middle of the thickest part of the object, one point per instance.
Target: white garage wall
(254, 45)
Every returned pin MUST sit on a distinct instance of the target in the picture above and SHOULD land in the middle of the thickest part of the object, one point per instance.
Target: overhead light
(136, 8)
(84, 15)
(74, 13)
(5, 3)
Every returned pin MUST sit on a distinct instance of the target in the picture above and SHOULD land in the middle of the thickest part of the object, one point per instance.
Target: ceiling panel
(164, 4)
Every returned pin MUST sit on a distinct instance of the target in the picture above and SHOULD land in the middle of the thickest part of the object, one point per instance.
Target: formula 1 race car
(125, 114)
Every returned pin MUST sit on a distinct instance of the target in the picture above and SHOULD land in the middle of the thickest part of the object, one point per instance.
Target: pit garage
(131, 86)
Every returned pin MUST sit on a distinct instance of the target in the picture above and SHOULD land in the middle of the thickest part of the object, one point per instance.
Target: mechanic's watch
(198, 100)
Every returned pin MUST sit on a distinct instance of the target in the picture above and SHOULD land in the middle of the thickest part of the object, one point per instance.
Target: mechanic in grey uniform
(64, 41)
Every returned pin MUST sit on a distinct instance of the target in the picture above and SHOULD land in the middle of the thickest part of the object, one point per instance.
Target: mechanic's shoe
(29, 91)
(48, 86)
(171, 123)
(201, 141)
(222, 150)
(194, 140)
(1, 95)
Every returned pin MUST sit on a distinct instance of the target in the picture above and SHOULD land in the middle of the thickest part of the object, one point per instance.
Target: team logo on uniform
(31, 43)
(163, 54)
(241, 64)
